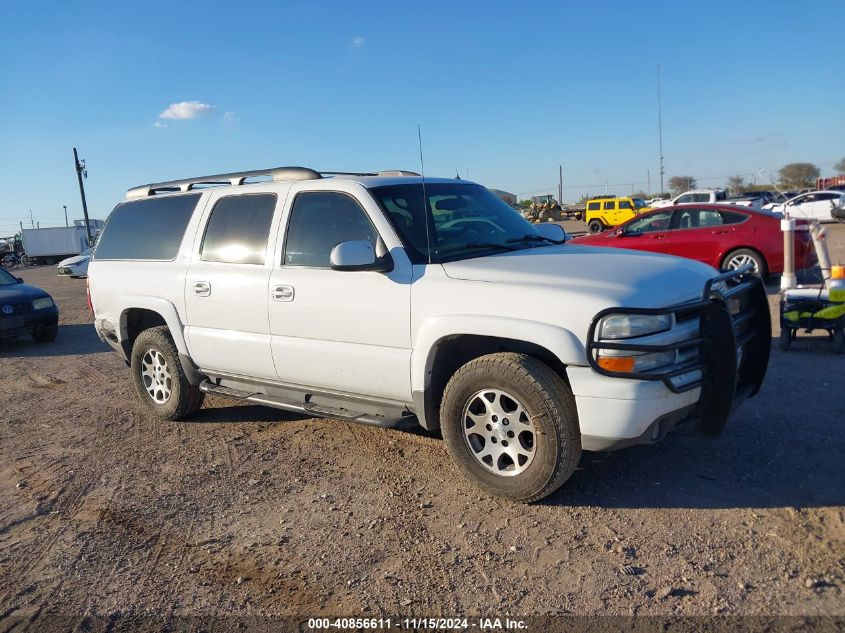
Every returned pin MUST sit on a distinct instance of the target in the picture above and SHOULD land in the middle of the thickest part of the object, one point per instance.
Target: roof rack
(278, 174)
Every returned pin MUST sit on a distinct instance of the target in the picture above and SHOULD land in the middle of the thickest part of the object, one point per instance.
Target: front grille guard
(723, 367)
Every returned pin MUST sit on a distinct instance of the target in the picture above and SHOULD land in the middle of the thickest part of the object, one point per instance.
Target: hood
(610, 276)
(20, 292)
(70, 261)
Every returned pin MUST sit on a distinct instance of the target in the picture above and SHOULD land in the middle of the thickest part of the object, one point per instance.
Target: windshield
(6, 279)
(463, 221)
(639, 203)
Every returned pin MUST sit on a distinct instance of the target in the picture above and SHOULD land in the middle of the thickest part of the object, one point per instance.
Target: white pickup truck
(694, 196)
(390, 299)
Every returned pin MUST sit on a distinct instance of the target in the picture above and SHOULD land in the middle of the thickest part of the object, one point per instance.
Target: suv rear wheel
(159, 380)
(511, 426)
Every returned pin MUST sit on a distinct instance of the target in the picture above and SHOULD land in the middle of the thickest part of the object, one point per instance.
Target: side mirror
(359, 255)
(20, 279)
(552, 231)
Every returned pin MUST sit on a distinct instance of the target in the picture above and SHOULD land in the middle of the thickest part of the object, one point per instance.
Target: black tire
(785, 338)
(549, 406)
(545, 215)
(595, 226)
(760, 268)
(838, 341)
(579, 216)
(46, 334)
(184, 399)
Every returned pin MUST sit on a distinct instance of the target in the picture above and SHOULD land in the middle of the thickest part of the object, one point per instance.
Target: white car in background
(815, 205)
(76, 266)
(695, 196)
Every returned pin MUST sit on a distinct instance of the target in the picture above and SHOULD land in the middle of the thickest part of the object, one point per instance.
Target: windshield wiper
(483, 245)
(534, 238)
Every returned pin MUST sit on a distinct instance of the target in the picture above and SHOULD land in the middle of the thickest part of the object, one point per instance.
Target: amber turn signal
(617, 363)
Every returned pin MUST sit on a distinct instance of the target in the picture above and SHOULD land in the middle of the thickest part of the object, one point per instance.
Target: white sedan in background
(814, 205)
(76, 266)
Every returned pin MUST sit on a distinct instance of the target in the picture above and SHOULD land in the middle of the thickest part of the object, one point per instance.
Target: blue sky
(505, 91)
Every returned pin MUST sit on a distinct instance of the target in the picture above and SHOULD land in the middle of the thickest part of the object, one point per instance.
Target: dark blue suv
(26, 309)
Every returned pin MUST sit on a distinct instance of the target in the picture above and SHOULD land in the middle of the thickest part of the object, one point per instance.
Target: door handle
(657, 236)
(202, 288)
(282, 293)
(720, 232)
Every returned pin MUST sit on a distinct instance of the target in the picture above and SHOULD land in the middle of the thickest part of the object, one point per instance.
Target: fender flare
(161, 306)
(564, 344)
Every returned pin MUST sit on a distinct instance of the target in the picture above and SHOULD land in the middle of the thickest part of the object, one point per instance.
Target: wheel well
(136, 320)
(454, 352)
(745, 248)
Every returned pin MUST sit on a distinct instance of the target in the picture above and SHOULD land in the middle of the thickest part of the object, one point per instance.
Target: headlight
(616, 326)
(43, 302)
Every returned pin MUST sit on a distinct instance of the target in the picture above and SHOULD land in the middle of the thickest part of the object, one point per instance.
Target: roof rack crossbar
(278, 174)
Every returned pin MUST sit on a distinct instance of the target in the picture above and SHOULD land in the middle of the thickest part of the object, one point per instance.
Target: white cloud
(159, 124)
(186, 110)
(231, 117)
(358, 41)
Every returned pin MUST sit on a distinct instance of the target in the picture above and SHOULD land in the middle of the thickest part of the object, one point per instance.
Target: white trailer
(51, 245)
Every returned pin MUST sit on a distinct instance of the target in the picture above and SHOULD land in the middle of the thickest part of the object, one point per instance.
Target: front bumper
(27, 323)
(725, 363)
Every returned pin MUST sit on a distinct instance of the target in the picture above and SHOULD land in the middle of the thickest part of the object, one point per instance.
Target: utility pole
(560, 185)
(81, 171)
(648, 179)
(64, 206)
(660, 129)
(31, 219)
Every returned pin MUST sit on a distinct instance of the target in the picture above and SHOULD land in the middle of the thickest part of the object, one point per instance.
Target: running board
(307, 407)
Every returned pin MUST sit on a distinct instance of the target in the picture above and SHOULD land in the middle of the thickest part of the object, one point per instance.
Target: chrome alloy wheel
(499, 433)
(740, 260)
(155, 374)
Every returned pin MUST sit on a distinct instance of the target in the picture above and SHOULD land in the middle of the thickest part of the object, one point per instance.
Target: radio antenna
(425, 198)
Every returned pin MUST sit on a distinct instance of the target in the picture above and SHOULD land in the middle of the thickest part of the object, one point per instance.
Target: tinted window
(594, 206)
(701, 197)
(239, 228)
(151, 228)
(319, 221)
(609, 206)
(624, 204)
(701, 218)
(649, 223)
(684, 200)
(730, 217)
(6, 279)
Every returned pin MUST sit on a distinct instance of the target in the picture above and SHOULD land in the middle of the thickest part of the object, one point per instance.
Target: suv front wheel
(159, 379)
(511, 426)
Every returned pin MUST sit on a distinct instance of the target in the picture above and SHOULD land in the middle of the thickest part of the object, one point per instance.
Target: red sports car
(724, 236)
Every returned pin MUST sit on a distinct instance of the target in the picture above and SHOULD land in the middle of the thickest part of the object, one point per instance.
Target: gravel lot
(249, 511)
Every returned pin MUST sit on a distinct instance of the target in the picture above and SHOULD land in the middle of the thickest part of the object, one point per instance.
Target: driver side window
(649, 223)
(319, 221)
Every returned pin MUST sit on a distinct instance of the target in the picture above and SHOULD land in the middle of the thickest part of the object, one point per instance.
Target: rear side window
(319, 221)
(624, 204)
(594, 206)
(609, 206)
(239, 229)
(731, 217)
(150, 229)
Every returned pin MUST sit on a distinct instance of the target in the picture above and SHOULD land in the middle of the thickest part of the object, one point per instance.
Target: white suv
(390, 299)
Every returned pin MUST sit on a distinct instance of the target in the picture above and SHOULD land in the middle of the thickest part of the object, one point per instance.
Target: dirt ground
(110, 516)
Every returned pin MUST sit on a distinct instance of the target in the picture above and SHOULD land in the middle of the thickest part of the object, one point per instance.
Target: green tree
(640, 194)
(525, 203)
(840, 166)
(798, 175)
(736, 184)
(679, 184)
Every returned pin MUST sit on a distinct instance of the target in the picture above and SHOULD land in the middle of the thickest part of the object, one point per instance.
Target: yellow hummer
(606, 211)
